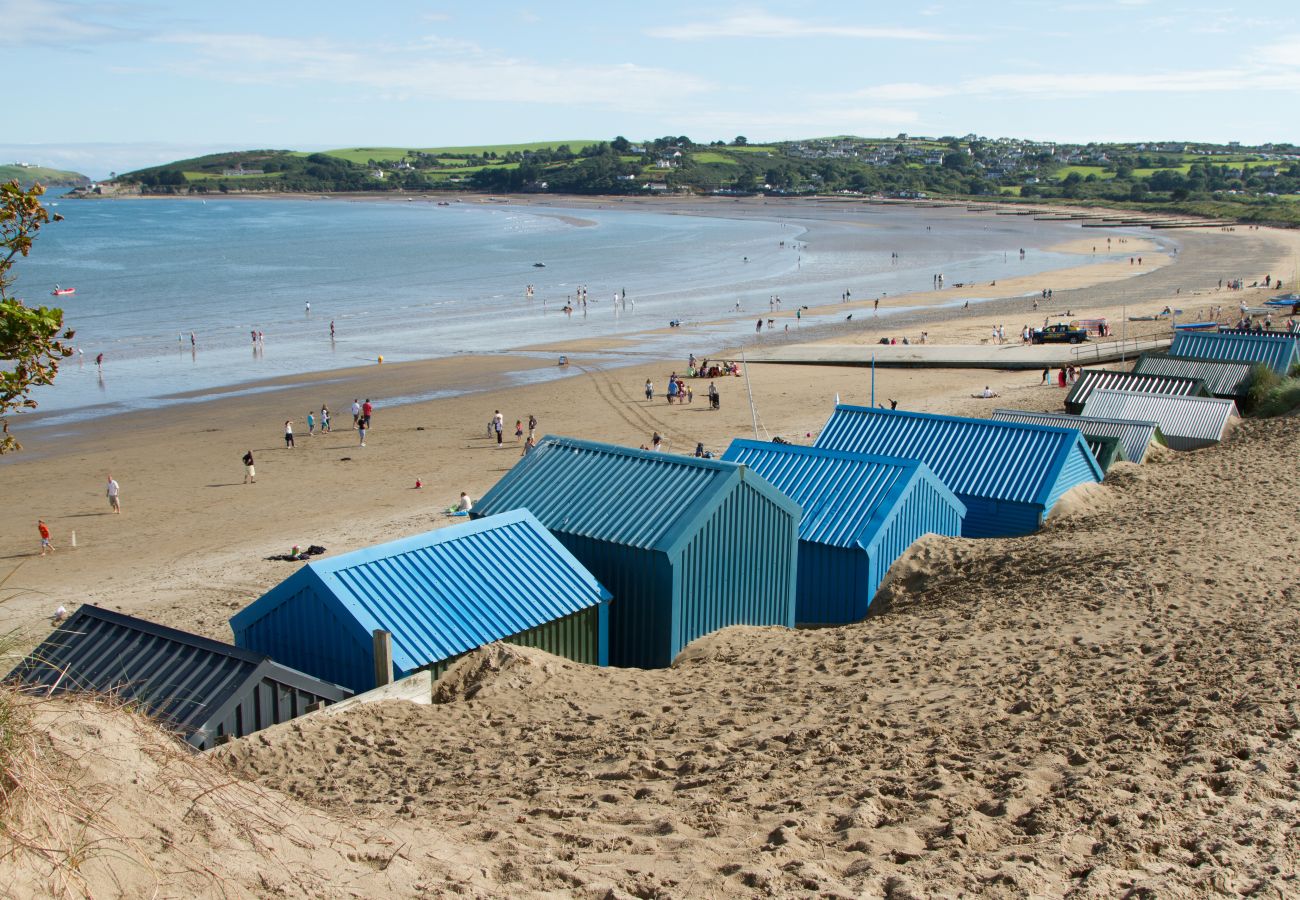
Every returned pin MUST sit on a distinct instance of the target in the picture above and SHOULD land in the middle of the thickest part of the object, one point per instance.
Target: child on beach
(324, 420)
(46, 546)
(288, 434)
(519, 429)
(250, 473)
(311, 424)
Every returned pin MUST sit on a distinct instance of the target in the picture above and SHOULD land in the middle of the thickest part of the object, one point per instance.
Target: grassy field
(362, 155)
(707, 157)
(29, 174)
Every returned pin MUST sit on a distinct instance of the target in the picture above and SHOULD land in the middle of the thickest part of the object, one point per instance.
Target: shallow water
(417, 280)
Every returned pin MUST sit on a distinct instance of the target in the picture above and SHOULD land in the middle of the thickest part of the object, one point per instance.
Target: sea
(185, 297)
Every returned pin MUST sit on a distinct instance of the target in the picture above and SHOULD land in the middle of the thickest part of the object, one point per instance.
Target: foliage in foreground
(32, 338)
(1282, 398)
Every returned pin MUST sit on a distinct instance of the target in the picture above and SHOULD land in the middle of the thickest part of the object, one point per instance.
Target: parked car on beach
(1059, 334)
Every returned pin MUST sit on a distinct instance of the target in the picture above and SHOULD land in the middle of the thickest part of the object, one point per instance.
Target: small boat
(1196, 326)
(61, 291)
(1145, 318)
(1290, 299)
(539, 265)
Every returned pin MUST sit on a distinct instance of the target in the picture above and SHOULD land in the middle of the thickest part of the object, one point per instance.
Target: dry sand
(1105, 707)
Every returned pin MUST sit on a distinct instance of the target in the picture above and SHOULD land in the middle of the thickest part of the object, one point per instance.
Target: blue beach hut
(860, 513)
(1279, 354)
(1009, 474)
(440, 594)
(686, 545)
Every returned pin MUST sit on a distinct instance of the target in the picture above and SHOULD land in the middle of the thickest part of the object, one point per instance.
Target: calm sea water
(417, 280)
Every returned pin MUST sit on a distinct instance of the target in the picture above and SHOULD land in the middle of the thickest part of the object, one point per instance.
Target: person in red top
(366, 409)
(46, 546)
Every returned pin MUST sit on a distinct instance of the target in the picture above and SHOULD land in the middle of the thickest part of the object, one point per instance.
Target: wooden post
(383, 658)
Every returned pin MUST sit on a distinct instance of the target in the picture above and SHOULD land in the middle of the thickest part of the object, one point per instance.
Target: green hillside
(364, 155)
(28, 175)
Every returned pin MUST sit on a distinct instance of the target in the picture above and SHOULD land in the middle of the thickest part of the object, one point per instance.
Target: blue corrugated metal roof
(1278, 355)
(845, 497)
(637, 498)
(1007, 460)
(182, 679)
(445, 592)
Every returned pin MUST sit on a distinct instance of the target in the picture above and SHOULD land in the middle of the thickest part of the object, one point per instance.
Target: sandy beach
(1102, 708)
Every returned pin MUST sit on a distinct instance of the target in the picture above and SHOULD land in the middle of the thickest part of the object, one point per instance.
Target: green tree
(32, 339)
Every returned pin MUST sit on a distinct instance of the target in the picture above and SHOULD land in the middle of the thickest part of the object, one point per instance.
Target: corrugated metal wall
(640, 615)
(575, 637)
(266, 702)
(832, 584)
(307, 632)
(995, 518)
(738, 569)
(1106, 450)
(1078, 469)
(923, 511)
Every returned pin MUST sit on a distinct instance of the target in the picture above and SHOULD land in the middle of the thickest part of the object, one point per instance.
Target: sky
(113, 86)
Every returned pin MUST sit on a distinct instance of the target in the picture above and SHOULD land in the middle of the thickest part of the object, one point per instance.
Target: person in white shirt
(114, 501)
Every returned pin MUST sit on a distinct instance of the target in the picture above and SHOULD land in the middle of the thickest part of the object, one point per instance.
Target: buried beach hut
(860, 513)
(1105, 379)
(439, 595)
(1187, 423)
(205, 691)
(1222, 378)
(685, 545)
(1278, 353)
(1009, 474)
(1136, 437)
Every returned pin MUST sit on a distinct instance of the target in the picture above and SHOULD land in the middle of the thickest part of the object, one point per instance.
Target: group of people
(497, 425)
(1065, 376)
(114, 493)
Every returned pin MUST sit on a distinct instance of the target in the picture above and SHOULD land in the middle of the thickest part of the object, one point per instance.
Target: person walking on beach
(250, 473)
(649, 389)
(288, 434)
(532, 425)
(46, 546)
(356, 411)
(366, 410)
(311, 424)
(519, 429)
(498, 426)
(113, 491)
(361, 430)
(324, 419)
(713, 396)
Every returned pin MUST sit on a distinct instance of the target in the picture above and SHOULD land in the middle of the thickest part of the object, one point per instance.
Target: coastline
(189, 548)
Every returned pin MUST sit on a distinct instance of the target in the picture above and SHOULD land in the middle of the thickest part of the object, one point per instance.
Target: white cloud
(52, 21)
(430, 67)
(764, 25)
(1274, 67)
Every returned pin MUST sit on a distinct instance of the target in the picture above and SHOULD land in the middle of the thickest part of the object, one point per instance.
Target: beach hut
(1222, 379)
(439, 595)
(860, 513)
(1279, 354)
(1105, 379)
(1136, 436)
(1009, 474)
(1263, 332)
(1106, 450)
(205, 691)
(1187, 423)
(686, 545)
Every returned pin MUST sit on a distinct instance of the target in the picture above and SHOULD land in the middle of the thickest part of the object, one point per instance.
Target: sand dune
(1106, 708)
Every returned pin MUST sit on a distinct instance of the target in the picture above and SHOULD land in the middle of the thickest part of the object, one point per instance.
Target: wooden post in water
(383, 657)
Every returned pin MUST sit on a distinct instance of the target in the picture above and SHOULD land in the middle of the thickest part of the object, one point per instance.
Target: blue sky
(118, 85)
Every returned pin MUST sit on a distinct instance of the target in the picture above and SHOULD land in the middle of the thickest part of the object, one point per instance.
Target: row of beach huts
(613, 556)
